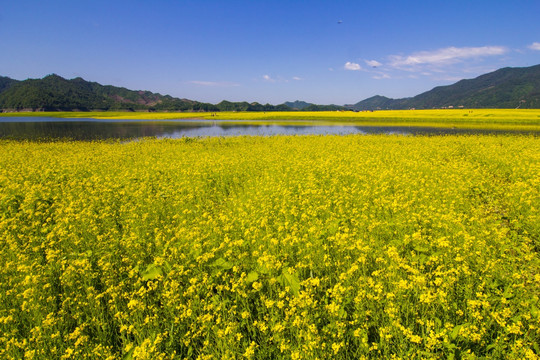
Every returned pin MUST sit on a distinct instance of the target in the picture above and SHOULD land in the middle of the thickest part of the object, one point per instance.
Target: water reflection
(92, 129)
(261, 130)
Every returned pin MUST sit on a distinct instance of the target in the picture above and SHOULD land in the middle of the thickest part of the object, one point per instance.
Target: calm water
(22, 128)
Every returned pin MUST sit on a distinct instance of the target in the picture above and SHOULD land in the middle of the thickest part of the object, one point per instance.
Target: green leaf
(536, 347)
(263, 269)
(508, 293)
(167, 266)
(223, 264)
(421, 249)
(290, 280)
(129, 354)
(252, 276)
(152, 272)
(455, 332)
(196, 252)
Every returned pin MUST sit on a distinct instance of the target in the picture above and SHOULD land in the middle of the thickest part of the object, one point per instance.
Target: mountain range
(503, 88)
(54, 93)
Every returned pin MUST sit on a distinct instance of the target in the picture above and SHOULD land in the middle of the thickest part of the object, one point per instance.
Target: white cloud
(214, 83)
(372, 63)
(297, 78)
(449, 55)
(277, 79)
(352, 66)
(534, 46)
(382, 76)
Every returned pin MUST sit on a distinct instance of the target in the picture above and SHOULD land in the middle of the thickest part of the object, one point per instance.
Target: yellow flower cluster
(282, 247)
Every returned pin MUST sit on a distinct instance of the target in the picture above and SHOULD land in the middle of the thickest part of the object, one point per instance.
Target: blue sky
(268, 51)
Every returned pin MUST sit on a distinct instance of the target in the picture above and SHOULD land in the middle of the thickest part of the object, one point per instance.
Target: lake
(32, 128)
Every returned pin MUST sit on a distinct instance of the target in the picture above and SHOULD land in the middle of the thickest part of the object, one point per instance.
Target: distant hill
(245, 106)
(6, 82)
(331, 107)
(305, 106)
(379, 102)
(54, 93)
(503, 88)
(297, 104)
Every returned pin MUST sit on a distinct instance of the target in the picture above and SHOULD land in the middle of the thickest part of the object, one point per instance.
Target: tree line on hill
(54, 93)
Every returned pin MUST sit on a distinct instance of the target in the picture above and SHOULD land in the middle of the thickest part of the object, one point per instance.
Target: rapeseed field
(287, 247)
(510, 119)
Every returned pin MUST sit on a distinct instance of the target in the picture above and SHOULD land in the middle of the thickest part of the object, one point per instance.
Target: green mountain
(299, 105)
(245, 106)
(6, 82)
(54, 93)
(503, 88)
(305, 106)
(379, 102)
(331, 107)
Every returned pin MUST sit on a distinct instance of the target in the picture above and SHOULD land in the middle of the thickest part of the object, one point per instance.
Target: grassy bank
(271, 248)
(477, 118)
